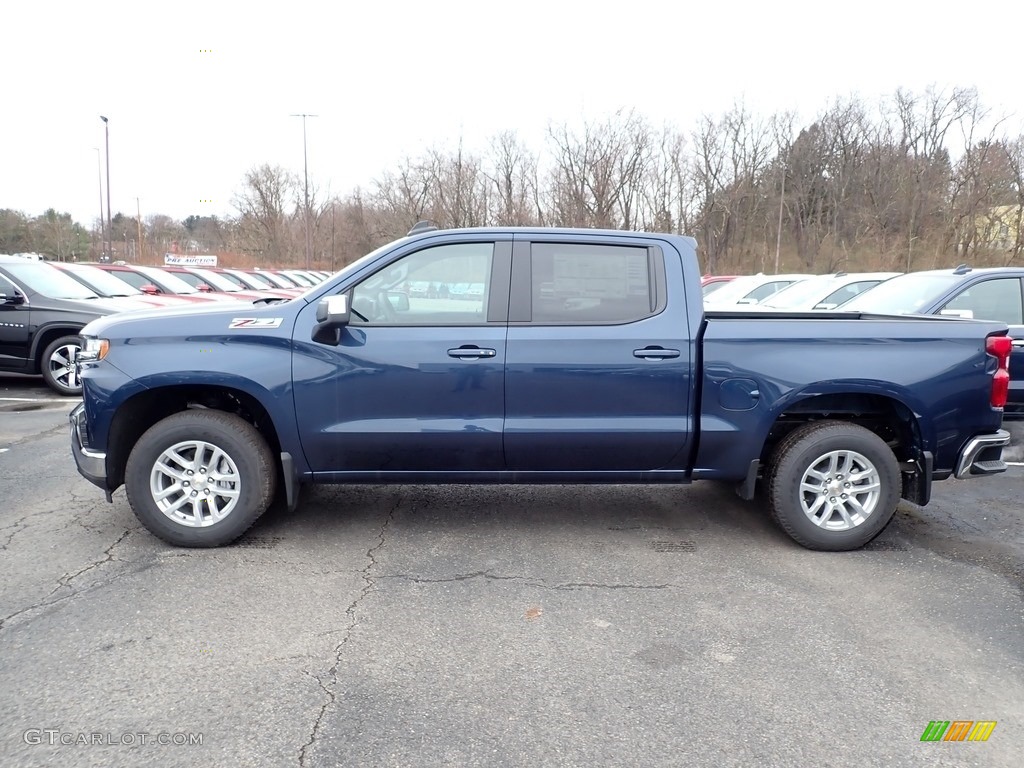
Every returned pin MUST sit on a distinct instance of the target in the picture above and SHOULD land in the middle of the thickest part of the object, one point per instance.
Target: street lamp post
(110, 229)
(99, 177)
(305, 173)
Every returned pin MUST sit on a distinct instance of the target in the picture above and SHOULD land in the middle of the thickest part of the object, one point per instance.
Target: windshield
(171, 282)
(279, 280)
(806, 292)
(248, 281)
(305, 282)
(49, 281)
(104, 283)
(903, 295)
(219, 282)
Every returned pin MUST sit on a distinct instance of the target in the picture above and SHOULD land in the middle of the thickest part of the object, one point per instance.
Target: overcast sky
(390, 78)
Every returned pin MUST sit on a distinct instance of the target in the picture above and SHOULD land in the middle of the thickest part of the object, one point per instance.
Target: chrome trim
(91, 464)
(967, 462)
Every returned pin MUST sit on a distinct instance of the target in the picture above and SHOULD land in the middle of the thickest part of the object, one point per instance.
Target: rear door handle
(469, 353)
(655, 353)
(1018, 342)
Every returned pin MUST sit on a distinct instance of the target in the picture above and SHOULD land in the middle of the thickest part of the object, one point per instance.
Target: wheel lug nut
(833, 499)
(195, 493)
(844, 495)
(186, 483)
(846, 485)
(207, 491)
(203, 471)
(190, 472)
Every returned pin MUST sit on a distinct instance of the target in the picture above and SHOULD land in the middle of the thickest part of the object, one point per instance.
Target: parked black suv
(41, 312)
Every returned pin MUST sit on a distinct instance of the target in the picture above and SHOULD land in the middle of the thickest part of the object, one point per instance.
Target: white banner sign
(181, 259)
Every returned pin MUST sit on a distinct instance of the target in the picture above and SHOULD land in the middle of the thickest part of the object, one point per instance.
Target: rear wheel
(200, 478)
(833, 485)
(59, 365)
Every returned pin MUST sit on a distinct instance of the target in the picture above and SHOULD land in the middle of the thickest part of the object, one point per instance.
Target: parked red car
(208, 281)
(154, 282)
(110, 285)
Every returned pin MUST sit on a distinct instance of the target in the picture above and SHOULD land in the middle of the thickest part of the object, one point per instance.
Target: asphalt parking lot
(470, 626)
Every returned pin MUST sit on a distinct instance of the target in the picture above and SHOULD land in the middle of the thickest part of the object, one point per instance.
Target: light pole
(110, 229)
(305, 173)
(99, 177)
(140, 251)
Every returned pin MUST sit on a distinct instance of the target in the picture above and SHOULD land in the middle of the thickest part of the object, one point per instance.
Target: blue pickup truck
(586, 358)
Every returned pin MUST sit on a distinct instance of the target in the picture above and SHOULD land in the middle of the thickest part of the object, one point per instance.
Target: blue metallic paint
(555, 403)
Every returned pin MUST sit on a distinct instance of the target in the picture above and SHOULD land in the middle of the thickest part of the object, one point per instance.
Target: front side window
(991, 300)
(7, 287)
(768, 289)
(443, 285)
(580, 284)
(848, 292)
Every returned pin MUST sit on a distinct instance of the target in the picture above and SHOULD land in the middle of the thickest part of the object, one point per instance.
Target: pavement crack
(65, 581)
(369, 582)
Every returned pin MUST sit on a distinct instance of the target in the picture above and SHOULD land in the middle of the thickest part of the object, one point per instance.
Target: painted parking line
(4, 450)
(1015, 463)
(36, 400)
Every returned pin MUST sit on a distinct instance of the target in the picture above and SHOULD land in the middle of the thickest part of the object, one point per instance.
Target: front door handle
(655, 353)
(1017, 342)
(470, 353)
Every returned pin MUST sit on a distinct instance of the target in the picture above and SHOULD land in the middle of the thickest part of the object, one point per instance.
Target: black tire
(244, 446)
(61, 383)
(804, 449)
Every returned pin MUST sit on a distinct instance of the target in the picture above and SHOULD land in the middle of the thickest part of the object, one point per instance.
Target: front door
(417, 382)
(14, 326)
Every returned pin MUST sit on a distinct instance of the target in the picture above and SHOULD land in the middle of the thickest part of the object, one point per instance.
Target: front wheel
(833, 485)
(200, 478)
(59, 365)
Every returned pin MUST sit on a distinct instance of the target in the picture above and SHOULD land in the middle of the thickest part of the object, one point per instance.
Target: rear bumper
(982, 455)
(92, 465)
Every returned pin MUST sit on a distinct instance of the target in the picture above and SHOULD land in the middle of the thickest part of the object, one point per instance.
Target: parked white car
(825, 291)
(751, 289)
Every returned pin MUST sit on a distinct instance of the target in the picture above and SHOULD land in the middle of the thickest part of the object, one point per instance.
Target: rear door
(1001, 299)
(598, 371)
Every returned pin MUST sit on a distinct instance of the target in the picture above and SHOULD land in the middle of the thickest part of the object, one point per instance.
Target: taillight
(999, 347)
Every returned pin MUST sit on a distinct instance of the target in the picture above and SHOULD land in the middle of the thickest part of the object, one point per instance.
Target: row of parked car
(43, 304)
(990, 293)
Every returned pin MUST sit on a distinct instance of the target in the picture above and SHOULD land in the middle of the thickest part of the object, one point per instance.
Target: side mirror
(332, 314)
(399, 300)
(204, 288)
(149, 288)
(747, 301)
(967, 314)
(826, 305)
(13, 300)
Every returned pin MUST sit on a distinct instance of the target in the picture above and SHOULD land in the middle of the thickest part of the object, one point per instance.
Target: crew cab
(588, 358)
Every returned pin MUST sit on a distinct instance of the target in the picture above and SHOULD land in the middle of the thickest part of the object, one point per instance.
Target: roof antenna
(422, 226)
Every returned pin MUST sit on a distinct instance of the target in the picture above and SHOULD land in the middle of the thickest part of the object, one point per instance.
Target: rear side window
(576, 284)
(998, 300)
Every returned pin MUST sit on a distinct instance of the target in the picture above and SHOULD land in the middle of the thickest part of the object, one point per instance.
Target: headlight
(94, 349)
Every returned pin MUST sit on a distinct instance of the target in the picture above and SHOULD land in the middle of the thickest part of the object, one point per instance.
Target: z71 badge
(256, 322)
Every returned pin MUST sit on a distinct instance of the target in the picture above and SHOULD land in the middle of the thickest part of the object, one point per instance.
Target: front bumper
(982, 455)
(92, 465)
